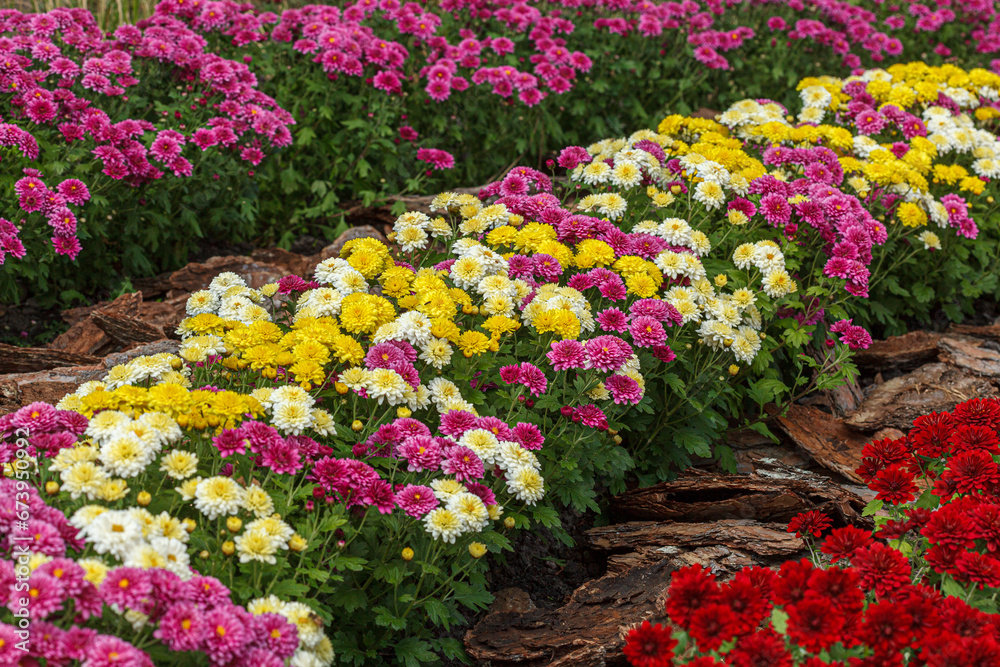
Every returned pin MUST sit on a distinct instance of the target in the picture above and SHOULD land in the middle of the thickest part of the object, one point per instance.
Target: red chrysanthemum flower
(841, 586)
(972, 471)
(882, 568)
(814, 624)
(690, 589)
(748, 604)
(887, 451)
(812, 523)
(974, 438)
(979, 412)
(887, 627)
(894, 485)
(982, 569)
(792, 581)
(650, 645)
(842, 542)
(986, 525)
(950, 526)
(712, 625)
(869, 468)
(761, 649)
(930, 434)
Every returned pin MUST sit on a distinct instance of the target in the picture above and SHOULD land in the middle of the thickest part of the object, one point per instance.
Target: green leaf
(779, 621)
(413, 652)
(952, 588)
(872, 508)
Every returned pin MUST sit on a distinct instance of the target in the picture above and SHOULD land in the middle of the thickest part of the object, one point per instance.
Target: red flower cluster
(822, 609)
(952, 454)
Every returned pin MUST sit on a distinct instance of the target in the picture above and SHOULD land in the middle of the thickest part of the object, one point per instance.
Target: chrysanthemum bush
(920, 590)
(101, 137)
(365, 77)
(917, 145)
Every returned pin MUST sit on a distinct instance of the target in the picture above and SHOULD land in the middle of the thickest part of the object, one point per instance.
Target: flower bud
(341, 544)
(204, 554)
(403, 412)
(477, 549)
(407, 554)
(297, 543)
(566, 411)
(189, 525)
(228, 548)
(356, 425)
(234, 523)
(508, 522)
(734, 369)
(144, 498)
(52, 487)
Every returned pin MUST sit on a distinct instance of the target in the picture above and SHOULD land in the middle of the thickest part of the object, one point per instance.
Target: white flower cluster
(551, 296)
(475, 262)
(156, 369)
(749, 114)
(136, 537)
(229, 297)
(292, 409)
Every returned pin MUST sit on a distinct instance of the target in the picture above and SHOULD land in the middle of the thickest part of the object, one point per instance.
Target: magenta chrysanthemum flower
(484, 493)
(69, 575)
(383, 355)
(566, 355)
(110, 651)
(277, 634)
(437, 158)
(510, 374)
(73, 422)
(231, 441)
(607, 353)
(533, 378)
(775, 209)
(457, 422)
(664, 353)
(45, 595)
(548, 267)
(206, 591)
(378, 493)
(855, 337)
(416, 501)
(182, 627)
(35, 418)
(463, 463)
(283, 457)
(591, 416)
(623, 389)
(45, 538)
(647, 331)
(126, 587)
(225, 635)
(869, 121)
(528, 436)
(612, 289)
(612, 319)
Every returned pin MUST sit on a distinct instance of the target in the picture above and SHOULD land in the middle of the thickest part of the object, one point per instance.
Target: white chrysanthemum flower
(256, 546)
(202, 301)
(114, 532)
(291, 393)
(777, 284)
(526, 484)
(224, 281)
(483, 443)
(512, 455)
(218, 496)
(710, 194)
(385, 384)
(126, 455)
(768, 258)
(271, 604)
(174, 554)
(301, 616)
(930, 240)
(291, 418)
(443, 524)
(470, 510)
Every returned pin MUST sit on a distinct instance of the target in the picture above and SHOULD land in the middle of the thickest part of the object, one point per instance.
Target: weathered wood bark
(903, 352)
(588, 630)
(826, 439)
(764, 539)
(973, 354)
(30, 359)
(774, 493)
(990, 331)
(931, 388)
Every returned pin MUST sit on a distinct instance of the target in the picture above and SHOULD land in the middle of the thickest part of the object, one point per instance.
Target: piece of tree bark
(30, 359)
(589, 629)
(774, 493)
(126, 330)
(990, 331)
(825, 438)
(764, 539)
(903, 352)
(972, 354)
(931, 388)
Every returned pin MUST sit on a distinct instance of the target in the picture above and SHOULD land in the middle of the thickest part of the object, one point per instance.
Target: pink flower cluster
(45, 429)
(268, 448)
(63, 74)
(31, 523)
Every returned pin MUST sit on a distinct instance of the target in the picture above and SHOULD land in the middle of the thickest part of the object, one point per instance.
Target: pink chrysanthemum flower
(533, 378)
(126, 587)
(44, 538)
(283, 457)
(36, 418)
(230, 441)
(225, 635)
(510, 374)
(457, 422)
(591, 416)
(206, 591)
(416, 501)
(607, 353)
(378, 493)
(463, 463)
(182, 627)
(647, 331)
(623, 389)
(566, 355)
(45, 596)
(110, 651)
(277, 634)
(528, 436)
(612, 319)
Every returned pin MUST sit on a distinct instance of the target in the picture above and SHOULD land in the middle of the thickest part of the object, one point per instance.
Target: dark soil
(27, 324)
